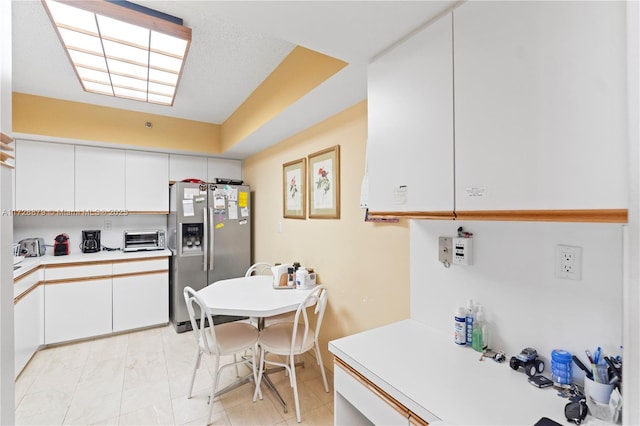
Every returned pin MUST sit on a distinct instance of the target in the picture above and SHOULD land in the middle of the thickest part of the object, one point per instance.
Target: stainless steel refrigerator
(209, 233)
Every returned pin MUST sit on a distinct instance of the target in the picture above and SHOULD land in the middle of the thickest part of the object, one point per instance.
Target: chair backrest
(199, 316)
(258, 269)
(318, 297)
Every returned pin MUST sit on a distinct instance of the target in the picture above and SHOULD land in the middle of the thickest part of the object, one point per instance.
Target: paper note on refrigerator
(243, 199)
(187, 208)
(233, 210)
(244, 212)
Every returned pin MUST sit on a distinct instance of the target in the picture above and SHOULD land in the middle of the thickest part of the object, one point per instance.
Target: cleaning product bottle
(480, 338)
(469, 318)
(460, 330)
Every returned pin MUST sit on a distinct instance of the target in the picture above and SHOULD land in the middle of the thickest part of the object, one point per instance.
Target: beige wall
(365, 265)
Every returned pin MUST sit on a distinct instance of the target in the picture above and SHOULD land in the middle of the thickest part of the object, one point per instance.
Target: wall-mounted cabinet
(410, 104)
(100, 179)
(223, 168)
(187, 167)
(535, 128)
(147, 177)
(44, 176)
(540, 106)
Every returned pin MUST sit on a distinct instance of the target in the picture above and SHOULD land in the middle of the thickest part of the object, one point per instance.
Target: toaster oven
(144, 240)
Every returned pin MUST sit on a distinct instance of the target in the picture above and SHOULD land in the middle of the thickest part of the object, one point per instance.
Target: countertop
(444, 383)
(31, 263)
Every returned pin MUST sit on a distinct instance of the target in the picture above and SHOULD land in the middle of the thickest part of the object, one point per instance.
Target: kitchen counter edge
(31, 263)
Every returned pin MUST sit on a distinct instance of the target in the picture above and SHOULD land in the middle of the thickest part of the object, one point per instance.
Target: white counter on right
(443, 383)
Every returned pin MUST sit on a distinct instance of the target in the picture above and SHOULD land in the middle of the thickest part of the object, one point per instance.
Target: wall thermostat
(463, 251)
(456, 250)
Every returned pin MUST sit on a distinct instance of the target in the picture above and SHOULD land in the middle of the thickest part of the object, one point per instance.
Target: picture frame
(324, 184)
(294, 188)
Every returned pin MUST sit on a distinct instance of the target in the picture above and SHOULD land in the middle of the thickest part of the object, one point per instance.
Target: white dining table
(252, 296)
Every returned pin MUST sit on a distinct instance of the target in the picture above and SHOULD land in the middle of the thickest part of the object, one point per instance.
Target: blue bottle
(470, 317)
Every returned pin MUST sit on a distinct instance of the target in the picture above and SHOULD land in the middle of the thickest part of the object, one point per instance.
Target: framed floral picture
(324, 184)
(294, 199)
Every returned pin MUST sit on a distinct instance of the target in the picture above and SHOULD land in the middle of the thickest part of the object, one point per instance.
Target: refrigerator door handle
(206, 239)
(212, 241)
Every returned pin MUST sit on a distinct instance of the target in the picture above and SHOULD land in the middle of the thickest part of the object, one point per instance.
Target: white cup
(600, 392)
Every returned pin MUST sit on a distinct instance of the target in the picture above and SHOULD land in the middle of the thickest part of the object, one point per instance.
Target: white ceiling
(235, 46)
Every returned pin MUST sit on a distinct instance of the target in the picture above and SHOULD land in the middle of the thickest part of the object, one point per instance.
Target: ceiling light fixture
(121, 49)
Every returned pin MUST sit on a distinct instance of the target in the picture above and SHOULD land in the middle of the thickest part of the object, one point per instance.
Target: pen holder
(600, 392)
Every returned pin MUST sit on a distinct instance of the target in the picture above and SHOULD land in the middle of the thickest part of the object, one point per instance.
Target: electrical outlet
(569, 262)
(107, 225)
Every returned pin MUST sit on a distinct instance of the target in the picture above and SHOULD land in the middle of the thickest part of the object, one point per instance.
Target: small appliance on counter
(143, 240)
(90, 241)
(32, 247)
(61, 245)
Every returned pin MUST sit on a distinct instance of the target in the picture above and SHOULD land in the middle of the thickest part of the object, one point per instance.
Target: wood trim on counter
(391, 401)
(135, 274)
(77, 280)
(140, 259)
(415, 215)
(5, 140)
(26, 292)
(601, 215)
(90, 262)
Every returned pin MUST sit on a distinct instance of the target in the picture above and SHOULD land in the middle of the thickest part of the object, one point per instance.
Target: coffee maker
(90, 241)
(61, 245)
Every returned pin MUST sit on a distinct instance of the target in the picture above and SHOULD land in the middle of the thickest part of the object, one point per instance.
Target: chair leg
(324, 376)
(193, 376)
(259, 379)
(214, 386)
(294, 384)
(255, 372)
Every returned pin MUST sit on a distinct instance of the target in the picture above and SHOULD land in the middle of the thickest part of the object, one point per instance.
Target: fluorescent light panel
(121, 52)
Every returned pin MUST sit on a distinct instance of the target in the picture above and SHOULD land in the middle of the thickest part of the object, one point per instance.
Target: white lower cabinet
(77, 309)
(28, 326)
(358, 401)
(140, 294)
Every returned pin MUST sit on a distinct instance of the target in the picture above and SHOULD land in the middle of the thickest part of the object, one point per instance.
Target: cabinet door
(410, 120)
(540, 105)
(28, 326)
(359, 402)
(223, 168)
(100, 177)
(147, 181)
(187, 167)
(140, 300)
(76, 310)
(44, 176)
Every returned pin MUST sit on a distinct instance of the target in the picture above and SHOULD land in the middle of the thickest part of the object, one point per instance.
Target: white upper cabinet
(223, 168)
(100, 178)
(147, 181)
(410, 119)
(540, 106)
(44, 176)
(187, 167)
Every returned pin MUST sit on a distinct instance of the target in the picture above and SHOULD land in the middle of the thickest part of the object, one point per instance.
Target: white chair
(264, 268)
(291, 339)
(230, 338)
(259, 268)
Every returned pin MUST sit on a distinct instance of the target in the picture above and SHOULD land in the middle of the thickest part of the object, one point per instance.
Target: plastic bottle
(301, 277)
(480, 338)
(460, 329)
(561, 373)
(469, 318)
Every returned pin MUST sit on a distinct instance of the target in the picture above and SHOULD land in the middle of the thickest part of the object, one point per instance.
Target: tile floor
(141, 378)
